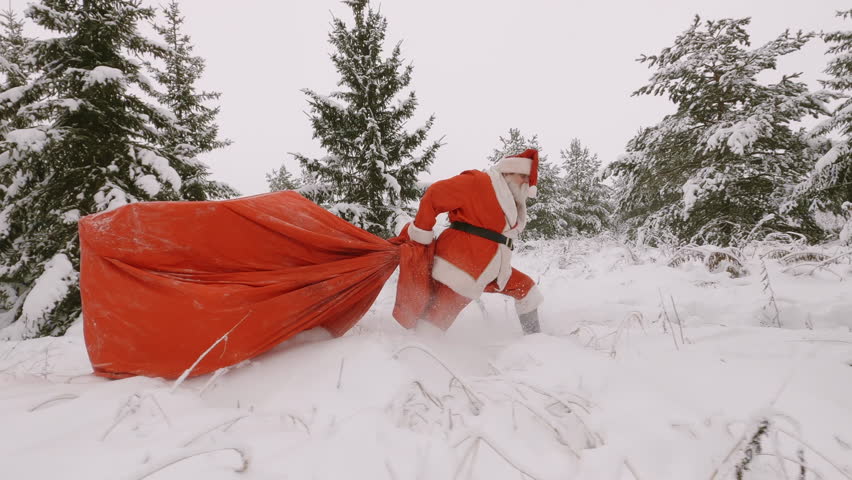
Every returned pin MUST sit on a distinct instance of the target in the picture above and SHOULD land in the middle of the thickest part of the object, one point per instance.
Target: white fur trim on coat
(531, 302)
(515, 165)
(516, 215)
(419, 235)
(504, 196)
(462, 282)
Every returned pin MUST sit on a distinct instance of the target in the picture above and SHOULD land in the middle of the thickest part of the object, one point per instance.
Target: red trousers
(445, 304)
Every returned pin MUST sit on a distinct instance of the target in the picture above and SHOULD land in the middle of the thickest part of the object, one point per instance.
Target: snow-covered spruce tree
(717, 169)
(547, 212)
(281, 179)
(828, 187)
(91, 146)
(514, 143)
(588, 199)
(196, 131)
(369, 175)
(14, 67)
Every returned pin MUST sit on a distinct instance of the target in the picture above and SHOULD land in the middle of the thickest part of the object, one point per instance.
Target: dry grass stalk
(746, 444)
(774, 316)
(827, 460)
(679, 322)
(665, 317)
(686, 254)
(712, 259)
(475, 402)
(64, 396)
(227, 424)
(625, 326)
(801, 257)
(776, 254)
(727, 261)
(632, 469)
(130, 407)
(188, 371)
(340, 373)
(244, 459)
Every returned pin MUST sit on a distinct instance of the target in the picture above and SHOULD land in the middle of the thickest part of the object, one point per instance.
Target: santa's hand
(420, 236)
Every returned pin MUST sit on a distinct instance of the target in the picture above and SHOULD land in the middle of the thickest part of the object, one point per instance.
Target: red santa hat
(525, 163)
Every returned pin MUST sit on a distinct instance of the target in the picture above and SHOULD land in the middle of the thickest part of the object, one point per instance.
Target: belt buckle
(510, 244)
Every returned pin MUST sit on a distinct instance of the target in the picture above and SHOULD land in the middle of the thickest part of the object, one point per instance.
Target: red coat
(466, 262)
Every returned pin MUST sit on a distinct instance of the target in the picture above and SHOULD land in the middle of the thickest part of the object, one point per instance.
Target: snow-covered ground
(643, 371)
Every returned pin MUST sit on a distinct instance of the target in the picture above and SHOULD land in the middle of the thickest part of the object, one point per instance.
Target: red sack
(163, 282)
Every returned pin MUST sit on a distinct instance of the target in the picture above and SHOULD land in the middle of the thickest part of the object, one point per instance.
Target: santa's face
(518, 179)
(519, 186)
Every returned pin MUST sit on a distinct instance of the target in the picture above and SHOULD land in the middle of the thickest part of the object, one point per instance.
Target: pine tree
(281, 179)
(196, 131)
(512, 144)
(91, 146)
(588, 199)
(369, 175)
(720, 166)
(14, 66)
(828, 187)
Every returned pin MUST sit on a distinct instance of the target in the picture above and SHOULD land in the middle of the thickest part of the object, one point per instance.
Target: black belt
(484, 233)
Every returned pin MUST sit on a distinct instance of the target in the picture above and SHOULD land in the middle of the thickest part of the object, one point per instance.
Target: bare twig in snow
(767, 288)
(476, 403)
(429, 396)
(625, 326)
(64, 396)
(201, 357)
(160, 407)
(468, 453)
(294, 419)
(218, 373)
(340, 373)
(679, 322)
(817, 452)
(556, 430)
(227, 424)
(244, 459)
(506, 458)
(632, 469)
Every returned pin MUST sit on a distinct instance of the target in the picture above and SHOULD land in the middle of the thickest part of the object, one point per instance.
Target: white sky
(559, 69)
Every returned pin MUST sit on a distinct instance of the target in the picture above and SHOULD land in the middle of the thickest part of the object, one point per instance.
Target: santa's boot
(529, 322)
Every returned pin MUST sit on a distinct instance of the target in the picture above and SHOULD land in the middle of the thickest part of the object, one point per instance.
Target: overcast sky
(559, 69)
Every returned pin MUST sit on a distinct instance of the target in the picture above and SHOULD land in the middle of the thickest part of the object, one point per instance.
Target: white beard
(519, 192)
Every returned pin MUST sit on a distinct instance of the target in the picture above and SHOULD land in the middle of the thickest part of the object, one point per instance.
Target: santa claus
(487, 211)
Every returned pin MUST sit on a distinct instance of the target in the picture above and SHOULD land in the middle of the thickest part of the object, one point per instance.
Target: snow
(18, 181)
(71, 216)
(739, 136)
(330, 102)
(161, 167)
(110, 198)
(102, 74)
(72, 104)
(605, 393)
(837, 150)
(392, 183)
(704, 181)
(27, 139)
(4, 219)
(846, 232)
(13, 94)
(149, 184)
(49, 288)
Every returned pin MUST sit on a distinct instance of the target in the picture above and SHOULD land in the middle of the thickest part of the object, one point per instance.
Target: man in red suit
(487, 211)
